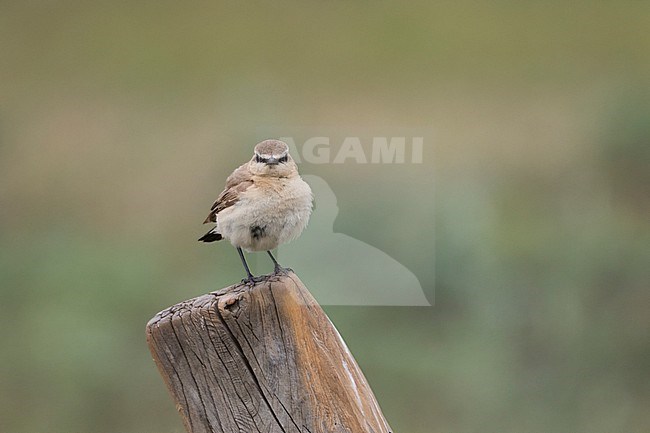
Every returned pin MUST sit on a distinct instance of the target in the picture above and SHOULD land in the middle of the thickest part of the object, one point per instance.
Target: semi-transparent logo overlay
(384, 184)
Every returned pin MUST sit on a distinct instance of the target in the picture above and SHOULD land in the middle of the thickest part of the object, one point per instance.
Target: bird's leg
(250, 278)
(277, 268)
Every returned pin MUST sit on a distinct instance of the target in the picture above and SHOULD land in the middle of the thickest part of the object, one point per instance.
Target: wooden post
(261, 359)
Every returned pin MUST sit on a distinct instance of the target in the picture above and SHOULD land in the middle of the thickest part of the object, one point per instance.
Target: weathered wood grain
(261, 359)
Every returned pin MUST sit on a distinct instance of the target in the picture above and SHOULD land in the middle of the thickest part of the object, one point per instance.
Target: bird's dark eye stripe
(259, 158)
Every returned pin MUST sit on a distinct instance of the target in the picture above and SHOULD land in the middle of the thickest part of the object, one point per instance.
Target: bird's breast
(268, 214)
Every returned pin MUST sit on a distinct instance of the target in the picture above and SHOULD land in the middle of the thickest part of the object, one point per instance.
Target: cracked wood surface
(261, 359)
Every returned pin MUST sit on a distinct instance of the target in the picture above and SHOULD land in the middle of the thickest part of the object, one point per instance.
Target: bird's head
(272, 158)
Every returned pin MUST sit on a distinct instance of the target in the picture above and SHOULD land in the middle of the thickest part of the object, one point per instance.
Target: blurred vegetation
(119, 121)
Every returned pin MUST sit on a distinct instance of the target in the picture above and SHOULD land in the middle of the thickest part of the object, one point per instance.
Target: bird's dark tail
(211, 236)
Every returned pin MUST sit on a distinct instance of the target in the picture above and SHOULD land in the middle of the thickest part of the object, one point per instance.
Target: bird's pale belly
(262, 223)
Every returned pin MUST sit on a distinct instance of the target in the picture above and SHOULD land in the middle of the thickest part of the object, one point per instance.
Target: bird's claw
(279, 270)
(251, 280)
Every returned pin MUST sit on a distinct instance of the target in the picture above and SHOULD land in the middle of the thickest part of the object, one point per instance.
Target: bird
(264, 204)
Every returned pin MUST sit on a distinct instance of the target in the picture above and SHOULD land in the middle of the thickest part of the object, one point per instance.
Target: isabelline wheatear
(265, 204)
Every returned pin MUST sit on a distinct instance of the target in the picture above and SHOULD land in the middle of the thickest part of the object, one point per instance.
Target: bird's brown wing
(238, 182)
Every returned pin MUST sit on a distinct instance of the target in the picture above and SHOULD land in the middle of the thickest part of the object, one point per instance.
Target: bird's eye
(258, 158)
(285, 158)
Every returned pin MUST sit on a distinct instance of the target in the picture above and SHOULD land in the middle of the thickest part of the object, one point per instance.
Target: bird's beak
(272, 161)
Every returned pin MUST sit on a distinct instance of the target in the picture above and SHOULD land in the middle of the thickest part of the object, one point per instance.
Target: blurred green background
(120, 120)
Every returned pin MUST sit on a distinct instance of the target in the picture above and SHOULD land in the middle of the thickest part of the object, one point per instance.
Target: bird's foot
(279, 270)
(252, 280)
